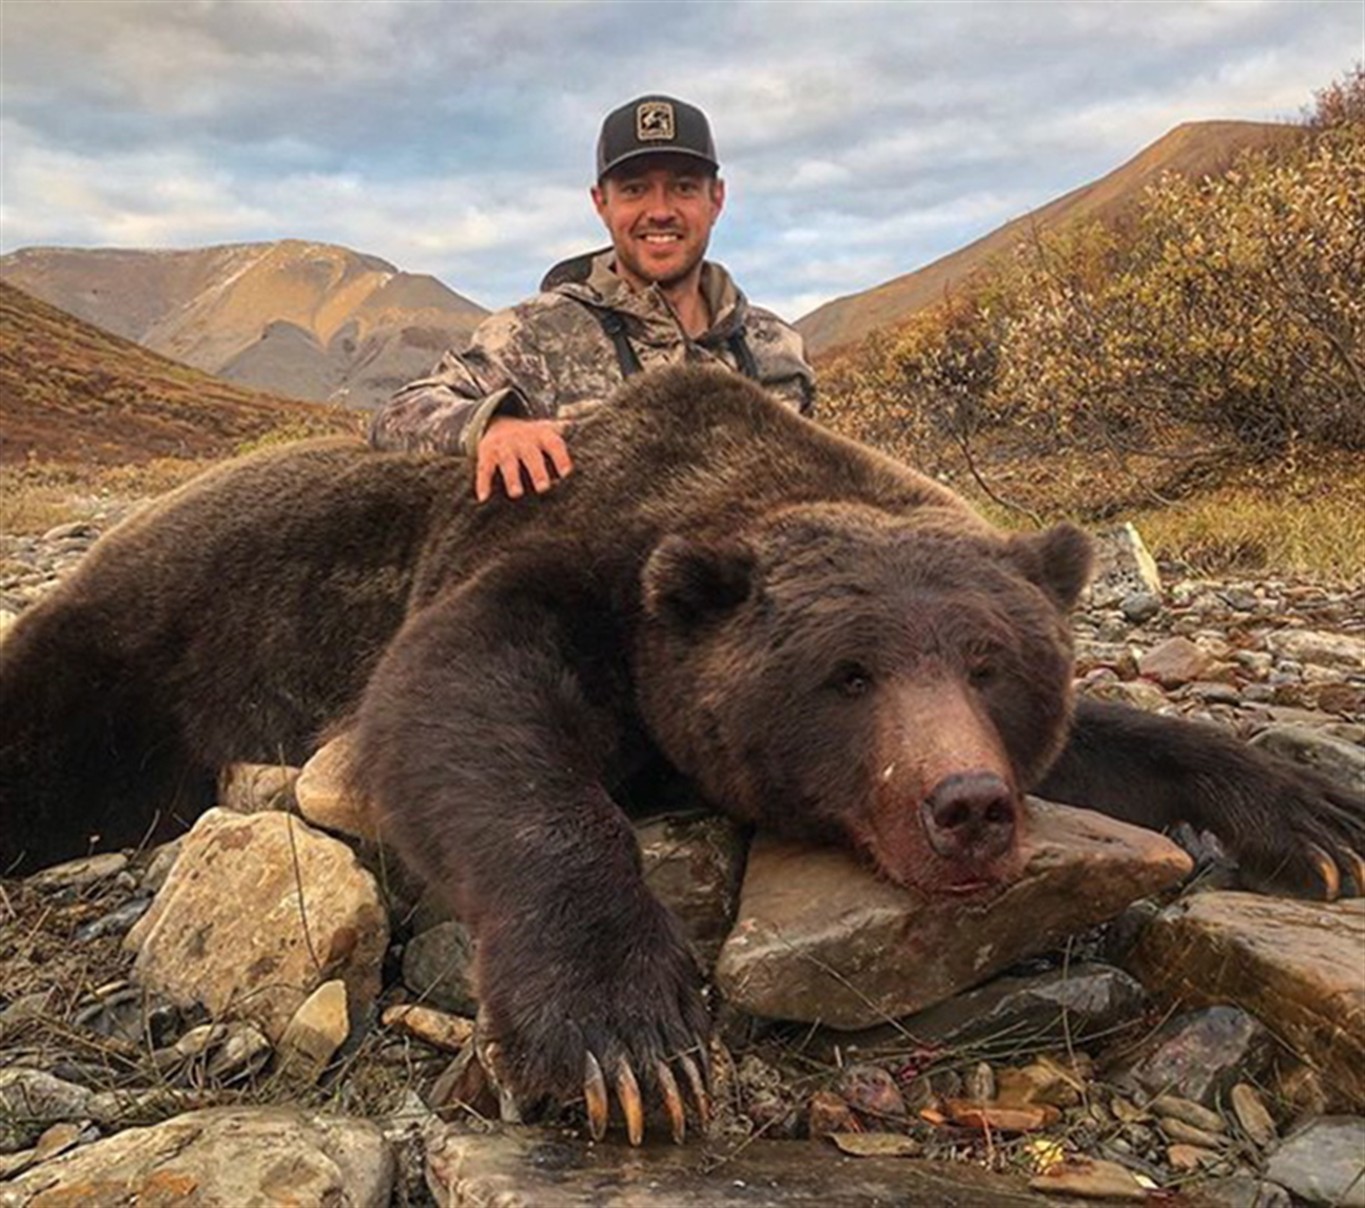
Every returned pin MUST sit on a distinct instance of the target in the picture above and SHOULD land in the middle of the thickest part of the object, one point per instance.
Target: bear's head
(842, 675)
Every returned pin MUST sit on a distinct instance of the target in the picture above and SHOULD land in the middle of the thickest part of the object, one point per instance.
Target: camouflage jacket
(550, 356)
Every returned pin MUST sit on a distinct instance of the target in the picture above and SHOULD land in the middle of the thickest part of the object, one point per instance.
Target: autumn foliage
(1222, 323)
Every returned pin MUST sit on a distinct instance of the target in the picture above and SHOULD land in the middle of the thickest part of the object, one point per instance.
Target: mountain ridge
(361, 326)
(1191, 148)
(71, 392)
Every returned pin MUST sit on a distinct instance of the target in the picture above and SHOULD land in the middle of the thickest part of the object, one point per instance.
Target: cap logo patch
(654, 122)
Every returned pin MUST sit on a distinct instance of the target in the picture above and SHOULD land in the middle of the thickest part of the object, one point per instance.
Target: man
(651, 299)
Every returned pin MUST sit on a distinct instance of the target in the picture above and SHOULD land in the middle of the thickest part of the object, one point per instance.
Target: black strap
(615, 328)
(744, 356)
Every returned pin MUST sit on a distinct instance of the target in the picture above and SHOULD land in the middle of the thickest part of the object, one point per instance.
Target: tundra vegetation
(1198, 367)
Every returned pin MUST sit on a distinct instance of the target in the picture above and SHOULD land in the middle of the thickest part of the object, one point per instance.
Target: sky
(858, 140)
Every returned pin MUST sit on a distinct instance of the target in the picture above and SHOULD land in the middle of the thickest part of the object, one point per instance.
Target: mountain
(311, 320)
(70, 392)
(1193, 149)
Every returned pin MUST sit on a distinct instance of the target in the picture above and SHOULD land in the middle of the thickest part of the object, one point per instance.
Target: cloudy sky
(859, 139)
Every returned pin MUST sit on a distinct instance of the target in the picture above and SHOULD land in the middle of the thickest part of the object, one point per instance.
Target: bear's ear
(1057, 560)
(687, 582)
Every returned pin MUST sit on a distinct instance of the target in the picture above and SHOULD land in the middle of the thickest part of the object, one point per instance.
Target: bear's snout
(969, 817)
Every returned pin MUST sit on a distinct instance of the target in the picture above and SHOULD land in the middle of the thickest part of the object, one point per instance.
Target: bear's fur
(830, 645)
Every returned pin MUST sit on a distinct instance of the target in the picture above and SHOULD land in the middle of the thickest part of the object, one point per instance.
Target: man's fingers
(558, 453)
(483, 478)
(511, 446)
(510, 465)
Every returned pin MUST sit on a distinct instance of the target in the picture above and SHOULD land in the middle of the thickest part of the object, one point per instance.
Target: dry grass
(37, 496)
(1302, 518)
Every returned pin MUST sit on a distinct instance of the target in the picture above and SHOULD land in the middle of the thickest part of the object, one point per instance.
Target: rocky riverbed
(295, 1023)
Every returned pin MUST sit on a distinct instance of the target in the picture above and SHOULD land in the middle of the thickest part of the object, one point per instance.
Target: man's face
(659, 211)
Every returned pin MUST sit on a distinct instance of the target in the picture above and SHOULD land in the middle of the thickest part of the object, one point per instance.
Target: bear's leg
(484, 739)
(1287, 826)
(88, 757)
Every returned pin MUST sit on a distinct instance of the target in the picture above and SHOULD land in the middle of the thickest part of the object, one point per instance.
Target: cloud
(860, 139)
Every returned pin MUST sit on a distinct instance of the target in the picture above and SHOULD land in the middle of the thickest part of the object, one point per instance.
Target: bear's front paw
(624, 1018)
(1312, 841)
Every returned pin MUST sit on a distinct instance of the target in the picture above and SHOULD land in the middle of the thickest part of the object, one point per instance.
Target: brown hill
(310, 320)
(1193, 149)
(70, 392)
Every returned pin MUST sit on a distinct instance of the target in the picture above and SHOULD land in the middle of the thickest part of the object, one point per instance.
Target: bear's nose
(970, 816)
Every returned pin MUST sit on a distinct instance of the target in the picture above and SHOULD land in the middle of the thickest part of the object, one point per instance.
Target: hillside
(70, 392)
(310, 320)
(1193, 149)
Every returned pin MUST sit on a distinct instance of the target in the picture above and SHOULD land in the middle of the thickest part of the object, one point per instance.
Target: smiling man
(651, 299)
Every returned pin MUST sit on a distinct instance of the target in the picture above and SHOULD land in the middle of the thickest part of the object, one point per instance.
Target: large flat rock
(819, 938)
(1299, 967)
(529, 1168)
(220, 1158)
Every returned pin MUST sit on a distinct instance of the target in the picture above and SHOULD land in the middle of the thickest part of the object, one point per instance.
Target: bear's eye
(852, 680)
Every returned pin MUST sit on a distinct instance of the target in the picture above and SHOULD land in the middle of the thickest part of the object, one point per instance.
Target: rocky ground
(205, 1023)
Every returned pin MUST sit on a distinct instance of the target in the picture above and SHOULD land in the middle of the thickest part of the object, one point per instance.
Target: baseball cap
(651, 125)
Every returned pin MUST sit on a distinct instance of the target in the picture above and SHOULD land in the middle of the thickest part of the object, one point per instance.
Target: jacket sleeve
(449, 410)
(780, 352)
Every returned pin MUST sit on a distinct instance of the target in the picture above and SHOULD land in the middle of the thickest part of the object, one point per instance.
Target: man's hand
(512, 445)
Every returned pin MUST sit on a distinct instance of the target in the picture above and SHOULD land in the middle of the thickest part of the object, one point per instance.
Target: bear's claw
(668, 1088)
(628, 1092)
(597, 1097)
(1327, 871)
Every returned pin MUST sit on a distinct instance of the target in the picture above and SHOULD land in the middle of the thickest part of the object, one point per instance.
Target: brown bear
(828, 644)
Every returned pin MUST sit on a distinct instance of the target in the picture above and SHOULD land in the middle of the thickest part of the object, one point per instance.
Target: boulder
(822, 939)
(258, 911)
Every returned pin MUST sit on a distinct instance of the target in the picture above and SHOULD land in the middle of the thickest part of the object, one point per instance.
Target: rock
(1339, 760)
(258, 911)
(876, 1145)
(441, 1031)
(220, 1156)
(829, 1114)
(980, 1084)
(1244, 1191)
(1187, 1134)
(319, 1027)
(130, 1014)
(31, 1100)
(116, 922)
(1325, 649)
(1141, 694)
(1203, 1054)
(537, 1168)
(1140, 606)
(160, 865)
(1294, 965)
(1183, 1156)
(1174, 662)
(871, 1092)
(1033, 1011)
(994, 1118)
(693, 865)
(1123, 566)
(1186, 1111)
(80, 874)
(1323, 1163)
(1251, 1113)
(325, 799)
(438, 968)
(820, 938)
(242, 1055)
(1090, 1179)
(249, 788)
